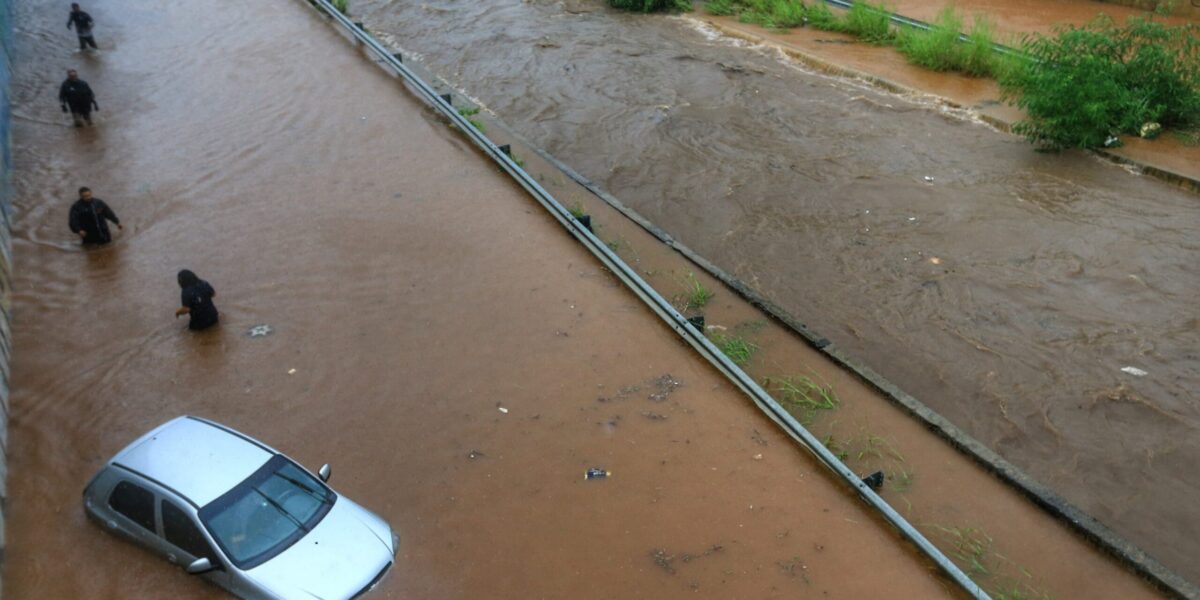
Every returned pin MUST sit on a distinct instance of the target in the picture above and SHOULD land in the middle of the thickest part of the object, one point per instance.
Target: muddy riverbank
(1007, 290)
(412, 293)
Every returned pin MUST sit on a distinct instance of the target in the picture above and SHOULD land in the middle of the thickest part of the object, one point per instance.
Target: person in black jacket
(76, 94)
(90, 217)
(83, 27)
(197, 301)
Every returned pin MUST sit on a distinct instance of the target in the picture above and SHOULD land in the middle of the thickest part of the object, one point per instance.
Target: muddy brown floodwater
(1005, 288)
(413, 292)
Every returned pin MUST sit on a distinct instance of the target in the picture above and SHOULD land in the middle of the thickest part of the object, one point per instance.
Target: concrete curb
(1191, 184)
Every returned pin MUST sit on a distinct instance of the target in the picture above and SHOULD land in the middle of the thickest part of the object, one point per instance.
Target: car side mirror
(324, 472)
(200, 566)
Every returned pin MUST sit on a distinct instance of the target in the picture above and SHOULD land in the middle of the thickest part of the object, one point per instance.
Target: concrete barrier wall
(6, 55)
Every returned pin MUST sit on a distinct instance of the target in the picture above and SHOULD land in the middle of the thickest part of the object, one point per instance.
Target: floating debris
(475, 454)
(874, 480)
(1136, 372)
(595, 473)
(262, 330)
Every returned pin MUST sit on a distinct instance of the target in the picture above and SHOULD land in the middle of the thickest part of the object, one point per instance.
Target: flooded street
(436, 336)
(1005, 288)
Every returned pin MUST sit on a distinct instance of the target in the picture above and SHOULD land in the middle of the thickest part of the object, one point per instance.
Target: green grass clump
(1087, 83)
(802, 392)
(649, 6)
(979, 54)
(871, 23)
(697, 295)
(577, 210)
(820, 16)
(737, 349)
(722, 8)
(470, 112)
(341, 5)
(775, 14)
(939, 48)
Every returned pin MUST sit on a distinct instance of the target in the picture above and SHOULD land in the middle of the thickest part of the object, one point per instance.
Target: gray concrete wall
(6, 54)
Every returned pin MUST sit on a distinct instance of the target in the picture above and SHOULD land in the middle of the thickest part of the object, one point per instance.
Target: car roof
(197, 458)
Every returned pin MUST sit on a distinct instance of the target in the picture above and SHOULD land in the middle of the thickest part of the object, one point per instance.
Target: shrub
(871, 23)
(1087, 83)
(648, 6)
(341, 6)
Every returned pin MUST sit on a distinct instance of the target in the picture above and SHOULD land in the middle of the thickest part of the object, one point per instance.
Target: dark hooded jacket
(82, 22)
(92, 217)
(197, 295)
(77, 95)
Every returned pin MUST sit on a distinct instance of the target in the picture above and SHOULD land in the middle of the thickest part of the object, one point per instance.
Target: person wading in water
(83, 27)
(77, 95)
(89, 218)
(197, 301)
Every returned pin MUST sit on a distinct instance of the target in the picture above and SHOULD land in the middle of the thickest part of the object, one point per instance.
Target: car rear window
(135, 502)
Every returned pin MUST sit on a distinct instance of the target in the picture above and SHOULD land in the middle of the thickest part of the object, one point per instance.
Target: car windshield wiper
(279, 508)
(311, 492)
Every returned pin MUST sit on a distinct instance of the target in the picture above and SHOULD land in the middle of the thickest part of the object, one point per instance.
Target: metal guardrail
(660, 306)
(923, 26)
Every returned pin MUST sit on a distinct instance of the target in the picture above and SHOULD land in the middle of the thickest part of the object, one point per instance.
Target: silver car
(232, 510)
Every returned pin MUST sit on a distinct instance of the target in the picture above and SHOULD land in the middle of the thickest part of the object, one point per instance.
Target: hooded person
(89, 218)
(77, 96)
(82, 23)
(196, 298)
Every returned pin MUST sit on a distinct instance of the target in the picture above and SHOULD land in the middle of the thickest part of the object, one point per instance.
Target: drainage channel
(660, 306)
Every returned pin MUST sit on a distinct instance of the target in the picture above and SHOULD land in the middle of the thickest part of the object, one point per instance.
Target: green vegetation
(870, 22)
(1087, 83)
(649, 6)
(736, 348)
(341, 5)
(820, 16)
(775, 14)
(1003, 578)
(802, 392)
(939, 48)
(696, 295)
(577, 209)
(1079, 87)
(470, 112)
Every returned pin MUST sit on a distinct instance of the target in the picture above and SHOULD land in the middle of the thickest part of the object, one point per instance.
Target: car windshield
(265, 514)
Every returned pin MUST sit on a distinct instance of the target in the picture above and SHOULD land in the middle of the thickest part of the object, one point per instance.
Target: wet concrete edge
(6, 56)
(1180, 180)
(1091, 529)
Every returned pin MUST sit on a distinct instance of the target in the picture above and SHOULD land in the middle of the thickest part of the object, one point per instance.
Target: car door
(185, 542)
(133, 514)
